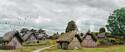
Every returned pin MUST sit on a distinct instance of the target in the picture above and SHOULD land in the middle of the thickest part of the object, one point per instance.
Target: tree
(24, 30)
(33, 30)
(101, 30)
(42, 31)
(116, 22)
(71, 26)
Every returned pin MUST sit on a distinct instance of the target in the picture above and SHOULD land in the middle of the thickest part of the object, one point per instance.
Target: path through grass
(32, 47)
(116, 48)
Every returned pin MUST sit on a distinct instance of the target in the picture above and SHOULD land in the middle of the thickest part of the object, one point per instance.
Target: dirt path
(38, 50)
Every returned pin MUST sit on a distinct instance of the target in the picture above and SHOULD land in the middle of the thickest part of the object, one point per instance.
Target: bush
(102, 42)
(1, 40)
(7, 47)
(116, 41)
(101, 30)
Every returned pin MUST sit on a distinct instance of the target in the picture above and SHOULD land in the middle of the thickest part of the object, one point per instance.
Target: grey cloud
(54, 14)
(103, 4)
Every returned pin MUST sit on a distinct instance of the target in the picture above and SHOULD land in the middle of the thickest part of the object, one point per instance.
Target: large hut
(13, 39)
(69, 40)
(30, 37)
(89, 41)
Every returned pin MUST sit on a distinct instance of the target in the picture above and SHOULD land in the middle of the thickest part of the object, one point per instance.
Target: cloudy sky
(53, 15)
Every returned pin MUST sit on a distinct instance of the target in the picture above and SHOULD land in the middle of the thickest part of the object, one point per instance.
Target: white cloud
(41, 20)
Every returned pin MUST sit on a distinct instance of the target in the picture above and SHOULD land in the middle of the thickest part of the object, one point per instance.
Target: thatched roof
(74, 44)
(28, 35)
(9, 35)
(93, 37)
(67, 37)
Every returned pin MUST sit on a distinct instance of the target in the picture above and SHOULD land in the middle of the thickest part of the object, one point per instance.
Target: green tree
(71, 26)
(101, 30)
(116, 22)
(24, 30)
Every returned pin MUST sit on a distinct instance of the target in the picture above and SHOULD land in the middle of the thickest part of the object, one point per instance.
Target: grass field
(32, 47)
(42, 44)
(116, 48)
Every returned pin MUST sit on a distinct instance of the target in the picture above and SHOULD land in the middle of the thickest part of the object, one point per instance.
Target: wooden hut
(66, 41)
(89, 41)
(13, 39)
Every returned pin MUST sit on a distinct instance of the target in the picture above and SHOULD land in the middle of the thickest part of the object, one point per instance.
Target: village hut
(30, 37)
(101, 35)
(13, 39)
(23, 31)
(74, 44)
(66, 41)
(41, 34)
(89, 41)
(55, 35)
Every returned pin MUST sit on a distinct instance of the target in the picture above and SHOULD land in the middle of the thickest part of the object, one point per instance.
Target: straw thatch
(67, 37)
(69, 40)
(10, 35)
(13, 38)
(29, 37)
(89, 41)
(74, 44)
(15, 43)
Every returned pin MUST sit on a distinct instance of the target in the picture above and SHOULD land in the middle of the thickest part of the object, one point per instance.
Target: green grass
(6, 51)
(31, 47)
(42, 44)
(116, 48)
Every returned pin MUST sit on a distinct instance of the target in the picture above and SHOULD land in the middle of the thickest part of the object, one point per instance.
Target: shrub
(101, 30)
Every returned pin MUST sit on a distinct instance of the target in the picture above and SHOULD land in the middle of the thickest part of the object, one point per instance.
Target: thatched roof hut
(29, 37)
(65, 41)
(74, 44)
(13, 38)
(89, 40)
(55, 36)
(67, 37)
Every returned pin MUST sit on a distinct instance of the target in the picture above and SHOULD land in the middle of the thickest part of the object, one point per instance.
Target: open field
(32, 47)
(42, 44)
(115, 48)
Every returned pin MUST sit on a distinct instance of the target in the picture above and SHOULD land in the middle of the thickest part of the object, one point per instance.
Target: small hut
(30, 37)
(55, 35)
(12, 39)
(66, 41)
(89, 41)
(41, 34)
(74, 44)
